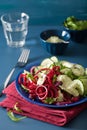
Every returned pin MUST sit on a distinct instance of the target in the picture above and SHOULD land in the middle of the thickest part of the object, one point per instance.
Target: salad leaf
(49, 100)
(68, 72)
(17, 108)
(13, 118)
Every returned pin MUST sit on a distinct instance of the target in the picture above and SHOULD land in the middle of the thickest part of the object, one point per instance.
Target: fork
(20, 63)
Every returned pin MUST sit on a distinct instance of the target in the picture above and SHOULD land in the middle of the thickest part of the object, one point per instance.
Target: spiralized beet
(41, 92)
(48, 89)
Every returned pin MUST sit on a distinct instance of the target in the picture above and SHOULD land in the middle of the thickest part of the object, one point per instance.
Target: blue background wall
(46, 11)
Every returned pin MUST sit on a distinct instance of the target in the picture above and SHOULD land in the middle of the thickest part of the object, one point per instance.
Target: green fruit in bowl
(75, 24)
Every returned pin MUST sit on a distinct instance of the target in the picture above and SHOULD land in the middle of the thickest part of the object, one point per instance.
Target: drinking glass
(15, 26)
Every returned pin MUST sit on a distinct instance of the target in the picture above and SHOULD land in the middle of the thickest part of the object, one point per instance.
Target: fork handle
(8, 77)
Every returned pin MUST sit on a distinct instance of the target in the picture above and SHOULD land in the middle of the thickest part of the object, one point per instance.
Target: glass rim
(14, 13)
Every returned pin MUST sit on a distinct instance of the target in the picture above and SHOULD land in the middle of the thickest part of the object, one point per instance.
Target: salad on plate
(55, 82)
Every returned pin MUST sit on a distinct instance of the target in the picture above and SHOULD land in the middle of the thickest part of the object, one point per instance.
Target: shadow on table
(76, 49)
(79, 123)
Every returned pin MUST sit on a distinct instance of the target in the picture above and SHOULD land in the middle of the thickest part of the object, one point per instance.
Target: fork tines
(24, 56)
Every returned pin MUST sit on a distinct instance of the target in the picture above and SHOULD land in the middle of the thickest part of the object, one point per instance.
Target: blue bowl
(55, 48)
(78, 36)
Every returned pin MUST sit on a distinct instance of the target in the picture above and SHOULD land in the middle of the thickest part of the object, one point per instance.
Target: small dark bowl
(55, 48)
(78, 36)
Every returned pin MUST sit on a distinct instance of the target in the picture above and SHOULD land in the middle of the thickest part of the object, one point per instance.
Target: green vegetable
(49, 100)
(29, 75)
(83, 79)
(75, 24)
(78, 70)
(17, 108)
(75, 88)
(68, 72)
(13, 118)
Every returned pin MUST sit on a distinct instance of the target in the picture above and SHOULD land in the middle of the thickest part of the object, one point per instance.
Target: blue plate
(25, 94)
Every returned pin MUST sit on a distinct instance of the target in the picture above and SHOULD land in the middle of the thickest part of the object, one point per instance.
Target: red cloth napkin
(57, 117)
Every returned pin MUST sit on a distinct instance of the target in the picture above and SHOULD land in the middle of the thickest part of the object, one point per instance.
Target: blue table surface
(75, 52)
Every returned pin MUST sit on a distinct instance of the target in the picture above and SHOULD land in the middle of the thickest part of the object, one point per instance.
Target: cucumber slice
(46, 63)
(76, 88)
(65, 70)
(65, 81)
(78, 70)
(67, 64)
(86, 71)
(49, 61)
(54, 59)
(84, 81)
